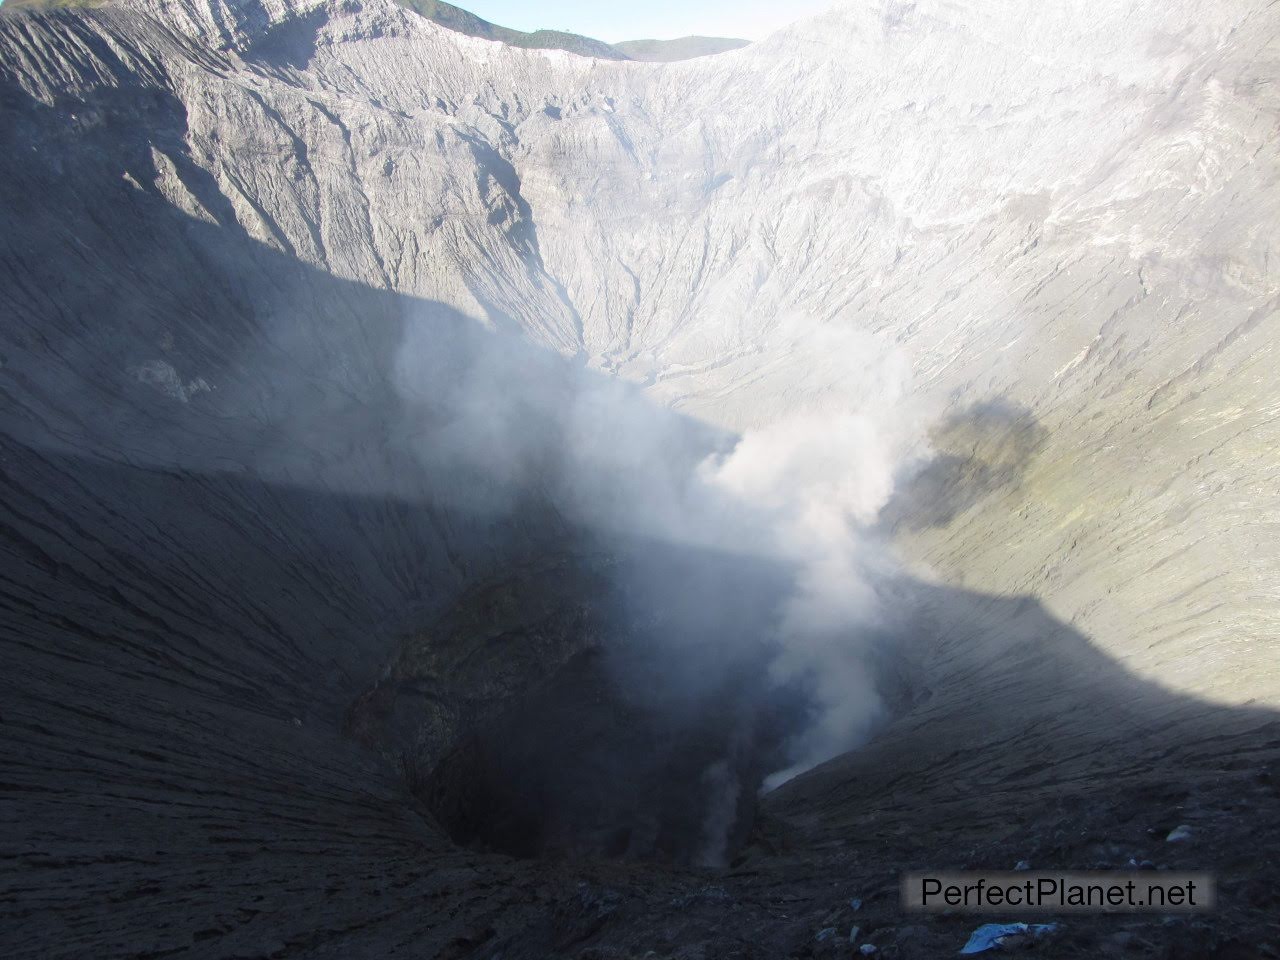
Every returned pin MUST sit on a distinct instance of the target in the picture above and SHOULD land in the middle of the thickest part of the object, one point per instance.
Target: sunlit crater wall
(1065, 210)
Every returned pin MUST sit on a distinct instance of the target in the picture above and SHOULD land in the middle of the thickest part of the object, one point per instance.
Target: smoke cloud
(797, 495)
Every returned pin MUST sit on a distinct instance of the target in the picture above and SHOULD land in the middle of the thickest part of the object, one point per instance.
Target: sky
(661, 19)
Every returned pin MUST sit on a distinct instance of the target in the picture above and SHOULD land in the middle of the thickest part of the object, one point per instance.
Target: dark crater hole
(577, 769)
(588, 705)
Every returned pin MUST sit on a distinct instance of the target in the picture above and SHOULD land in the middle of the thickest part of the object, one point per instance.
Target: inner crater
(546, 714)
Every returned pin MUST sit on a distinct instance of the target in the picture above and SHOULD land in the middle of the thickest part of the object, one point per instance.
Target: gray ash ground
(791, 886)
(192, 776)
(565, 776)
(204, 755)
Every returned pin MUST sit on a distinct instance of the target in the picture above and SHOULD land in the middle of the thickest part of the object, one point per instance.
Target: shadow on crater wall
(977, 451)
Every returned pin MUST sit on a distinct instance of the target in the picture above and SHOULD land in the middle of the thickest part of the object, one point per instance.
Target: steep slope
(14, 5)
(1067, 216)
(228, 562)
(447, 15)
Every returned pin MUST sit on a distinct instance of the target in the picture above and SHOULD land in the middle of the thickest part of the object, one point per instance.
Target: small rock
(1179, 833)
(867, 949)
(1022, 865)
(856, 903)
(826, 933)
(853, 934)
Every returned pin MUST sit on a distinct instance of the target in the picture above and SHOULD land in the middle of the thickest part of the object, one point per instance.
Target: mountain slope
(682, 48)
(455, 18)
(1093, 252)
(445, 14)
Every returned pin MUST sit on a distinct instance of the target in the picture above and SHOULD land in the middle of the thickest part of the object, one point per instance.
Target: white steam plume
(801, 490)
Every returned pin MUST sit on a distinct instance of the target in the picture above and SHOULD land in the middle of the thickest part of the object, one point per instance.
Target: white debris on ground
(995, 936)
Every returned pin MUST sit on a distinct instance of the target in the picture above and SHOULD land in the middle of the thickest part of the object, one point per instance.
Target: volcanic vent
(549, 714)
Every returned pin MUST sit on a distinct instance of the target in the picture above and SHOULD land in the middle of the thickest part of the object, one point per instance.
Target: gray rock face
(1066, 216)
(222, 223)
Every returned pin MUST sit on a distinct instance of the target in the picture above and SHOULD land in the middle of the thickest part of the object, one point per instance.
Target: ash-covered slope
(1065, 214)
(226, 225)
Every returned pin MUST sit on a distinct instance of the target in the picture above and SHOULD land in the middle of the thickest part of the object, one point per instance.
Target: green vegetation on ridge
(462, 21)
(455, 18)
(685, 48)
